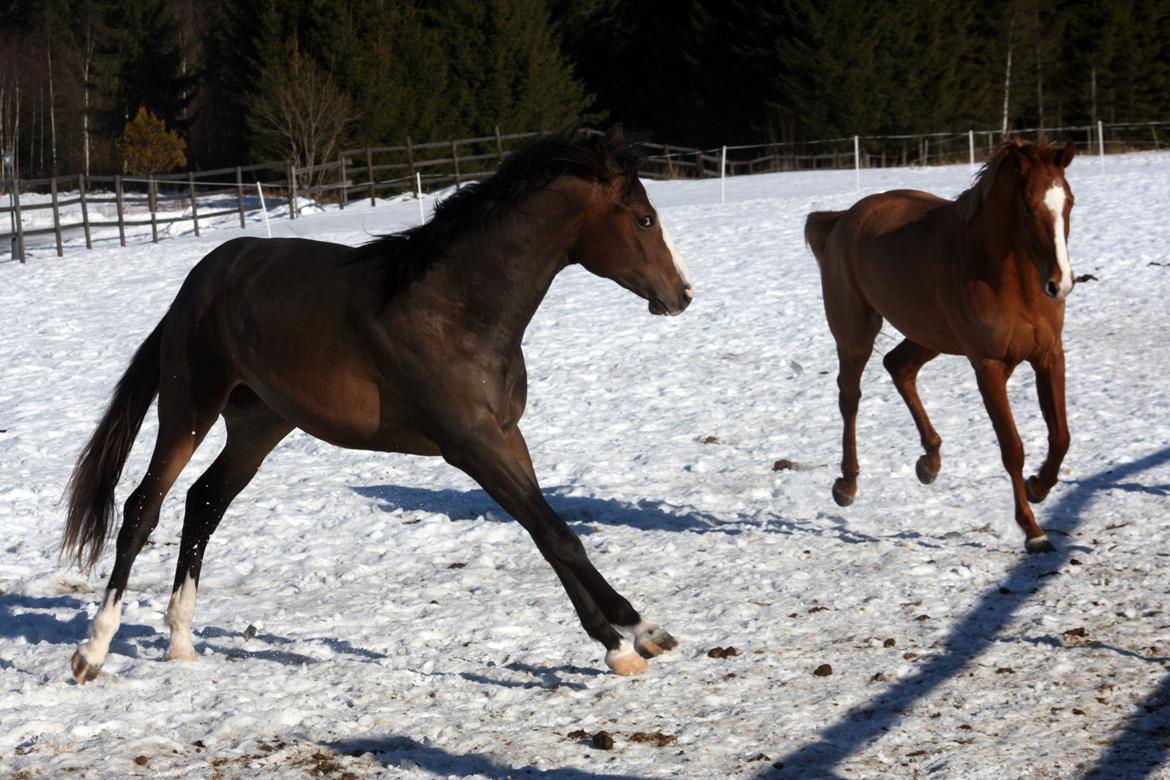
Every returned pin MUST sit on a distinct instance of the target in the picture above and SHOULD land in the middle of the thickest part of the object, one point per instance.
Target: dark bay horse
(984, 276)
(408, 344)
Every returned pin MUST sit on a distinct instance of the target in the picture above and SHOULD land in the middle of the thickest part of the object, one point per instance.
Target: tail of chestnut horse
(817, 228)
(91, 488)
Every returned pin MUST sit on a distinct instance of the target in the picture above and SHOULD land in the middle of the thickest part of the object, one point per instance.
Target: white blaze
(680, 265)
(1054, 200)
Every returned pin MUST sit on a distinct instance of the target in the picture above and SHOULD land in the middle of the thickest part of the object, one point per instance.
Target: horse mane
(601, 158)
(971, 200)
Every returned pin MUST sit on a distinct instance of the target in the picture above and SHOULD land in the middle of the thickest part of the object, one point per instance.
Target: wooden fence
(371, 172)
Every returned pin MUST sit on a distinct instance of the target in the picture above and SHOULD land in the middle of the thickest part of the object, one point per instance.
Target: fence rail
(369, 172)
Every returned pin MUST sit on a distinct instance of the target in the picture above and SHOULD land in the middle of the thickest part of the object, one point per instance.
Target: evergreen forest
(240, 81)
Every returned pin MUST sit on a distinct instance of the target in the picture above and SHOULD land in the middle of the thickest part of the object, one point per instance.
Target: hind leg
(904, 362)
(184, 419)
(253, 430)
(855, 326)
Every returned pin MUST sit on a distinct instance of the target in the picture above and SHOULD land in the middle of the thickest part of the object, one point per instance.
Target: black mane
(407, 255)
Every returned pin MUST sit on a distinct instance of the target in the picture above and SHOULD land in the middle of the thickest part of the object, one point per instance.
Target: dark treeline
(245, 80)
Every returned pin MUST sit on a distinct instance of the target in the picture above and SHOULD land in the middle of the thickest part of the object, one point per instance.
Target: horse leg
(183, 422)
(853, 350)
(904, 362)
(650, 639)
(1050, 387)
(489, 456)
(253, 430)
(992, 376)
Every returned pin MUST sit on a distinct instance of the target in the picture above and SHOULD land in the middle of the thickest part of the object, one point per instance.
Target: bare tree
(299, 113)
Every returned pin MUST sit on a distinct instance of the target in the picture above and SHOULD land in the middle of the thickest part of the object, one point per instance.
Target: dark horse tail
(91, 488)
(817, 228)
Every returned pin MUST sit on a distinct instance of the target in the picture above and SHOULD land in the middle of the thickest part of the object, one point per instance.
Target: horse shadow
(1138, 751)
(405, 753)
(33, 619)
(579, 511)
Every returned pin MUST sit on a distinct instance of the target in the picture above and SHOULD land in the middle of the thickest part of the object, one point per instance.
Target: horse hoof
(1038, 544)
(625, 661)
(925, 475)
(654, 641)
(83, 672)
(840, 496)
(180, 654)
(1032, 488)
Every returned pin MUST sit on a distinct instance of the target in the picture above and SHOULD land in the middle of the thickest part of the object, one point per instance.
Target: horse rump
(817, 228)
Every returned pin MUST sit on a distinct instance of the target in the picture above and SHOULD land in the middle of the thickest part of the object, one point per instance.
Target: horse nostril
(1051, 289)
(687, 294)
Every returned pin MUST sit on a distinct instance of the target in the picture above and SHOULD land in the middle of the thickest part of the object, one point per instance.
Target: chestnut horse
(408, 344)
(985, 276)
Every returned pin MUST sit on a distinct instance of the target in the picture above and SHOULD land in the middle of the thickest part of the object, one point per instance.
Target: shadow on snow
(1145, 740)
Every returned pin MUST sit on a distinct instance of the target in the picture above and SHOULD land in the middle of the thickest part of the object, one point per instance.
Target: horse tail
(91, 487)
(817, 228)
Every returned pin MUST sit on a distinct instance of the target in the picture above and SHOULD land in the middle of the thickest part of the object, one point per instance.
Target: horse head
(623, 238)
(1040, 205)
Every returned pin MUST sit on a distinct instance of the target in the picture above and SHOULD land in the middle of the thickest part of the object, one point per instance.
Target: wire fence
(77, 207)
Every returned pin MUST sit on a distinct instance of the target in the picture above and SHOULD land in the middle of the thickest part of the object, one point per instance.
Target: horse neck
(505, 270)
(997, 259)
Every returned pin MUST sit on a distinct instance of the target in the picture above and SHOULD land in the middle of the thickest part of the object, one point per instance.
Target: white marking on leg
(1054, 200)
(180, 613)
(102, 629)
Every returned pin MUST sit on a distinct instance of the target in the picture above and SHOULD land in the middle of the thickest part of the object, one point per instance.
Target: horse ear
(1065, 156)
(1022, 155)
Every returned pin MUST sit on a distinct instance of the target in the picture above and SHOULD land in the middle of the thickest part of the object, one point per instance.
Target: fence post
(121, 209)
(971, 144)
(84, 209)
(56, 217)
(19, 225)
(699, 172)
(263, 208)
(409, 157)
(669, 162)
(723, 176)
(1101, 143)
(150, 199)
(344, 189)
(240, 194)
(194, 202)
(499, 144)
(455, 162)
(857, 163)
(370, 174)
(292, 190)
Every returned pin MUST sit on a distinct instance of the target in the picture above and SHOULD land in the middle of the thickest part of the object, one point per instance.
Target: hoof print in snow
(784, 464)
(578, 734)
(249, 632)
(760, 757)
(889, 643)
(1075, 633)
(722, 652)
(603, 741)
(710, 440)
(142, 760)
(824, 670)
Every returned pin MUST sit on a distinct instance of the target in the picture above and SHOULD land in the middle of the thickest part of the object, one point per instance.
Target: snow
(364, 615)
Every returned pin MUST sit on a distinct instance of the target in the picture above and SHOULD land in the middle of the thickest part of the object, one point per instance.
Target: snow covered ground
(364, 615)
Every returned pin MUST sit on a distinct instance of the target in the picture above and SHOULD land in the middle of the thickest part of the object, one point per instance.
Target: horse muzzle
(685, 296)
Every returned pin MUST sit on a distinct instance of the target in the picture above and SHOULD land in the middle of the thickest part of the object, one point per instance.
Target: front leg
(992, 376)
(1050, 387)
(498, 460)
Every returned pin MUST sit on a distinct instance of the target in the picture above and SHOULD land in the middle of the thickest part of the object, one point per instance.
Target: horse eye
(646, 221)
(1027, 210)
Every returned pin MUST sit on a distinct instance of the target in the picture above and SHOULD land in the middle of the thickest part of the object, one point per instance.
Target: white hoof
(624, 660)
(180, 654)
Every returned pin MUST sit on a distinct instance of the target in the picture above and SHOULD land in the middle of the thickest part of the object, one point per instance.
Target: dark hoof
(842, 497)
(925, 476)
(1038, 544)
(1032, 488)
(655, 642)
(82, 671)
